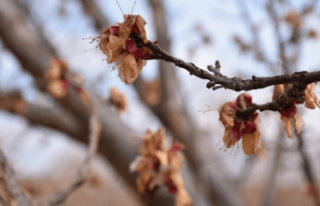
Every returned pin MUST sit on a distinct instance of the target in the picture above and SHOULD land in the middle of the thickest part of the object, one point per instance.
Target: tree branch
(10, 185)
(95, 131)
(52, 117)
(233, 83)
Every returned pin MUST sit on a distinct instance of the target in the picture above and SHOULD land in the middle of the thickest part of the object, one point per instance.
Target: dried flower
(57, 85)
(313, 34)
(60, 80)
(118, 100)
(158, 165)
(289, 116)
(152, 92)
(237, 128)
(116, 44)
(293, 19)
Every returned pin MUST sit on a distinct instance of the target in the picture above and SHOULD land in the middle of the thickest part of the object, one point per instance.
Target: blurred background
(45, 138)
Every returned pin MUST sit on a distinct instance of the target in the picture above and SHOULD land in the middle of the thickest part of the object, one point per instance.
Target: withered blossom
(59, 77)
(118, 100)
(237, 128)
(152, 92)
(293, 19)
(289, 115)
(57, 85)
(116, 44)
(159, 166)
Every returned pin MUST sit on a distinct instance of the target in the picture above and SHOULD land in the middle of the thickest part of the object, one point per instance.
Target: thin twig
(300, 80)
(232, 83)
(11, 185)
(95, 130)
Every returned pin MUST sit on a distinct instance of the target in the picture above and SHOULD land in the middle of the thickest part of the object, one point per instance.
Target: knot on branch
(210, 84)
(299, 75)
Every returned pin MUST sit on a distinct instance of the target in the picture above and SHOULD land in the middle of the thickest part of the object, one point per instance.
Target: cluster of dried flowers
(115, 42)
(118, 100)
(60, 80)
(160, 166)
(289, 115)
(247, 129)
(237, 128)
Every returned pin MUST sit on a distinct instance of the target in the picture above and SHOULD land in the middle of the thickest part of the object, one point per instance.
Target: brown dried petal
(228, 138)
(182, 197)
(287, 125)
(310, 96)
(129, 70)
(104, 40)
(152, 92)
(251, 142)
(153, 142)
(56, 89)
(227, 115)
(118, 100)
(143, 181)
(278, 90)
(55, 69)
(175, 161)
(160, 139)
(114, 48)
(126, 26)
(298, 123)
(163, 157)
(141, 24)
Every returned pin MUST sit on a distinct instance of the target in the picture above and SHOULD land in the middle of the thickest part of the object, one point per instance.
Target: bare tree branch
(234, 83)
(52, 117)
(10, 184)
(95, 131)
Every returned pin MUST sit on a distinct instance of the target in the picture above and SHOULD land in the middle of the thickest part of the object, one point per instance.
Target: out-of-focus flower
(116, 44)
(60, 80)
(58, 86)
(237, 128)
(152, 92)
(293, 19)
(289, 115)
(159, 166)
(313, 34)
(118, 100)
